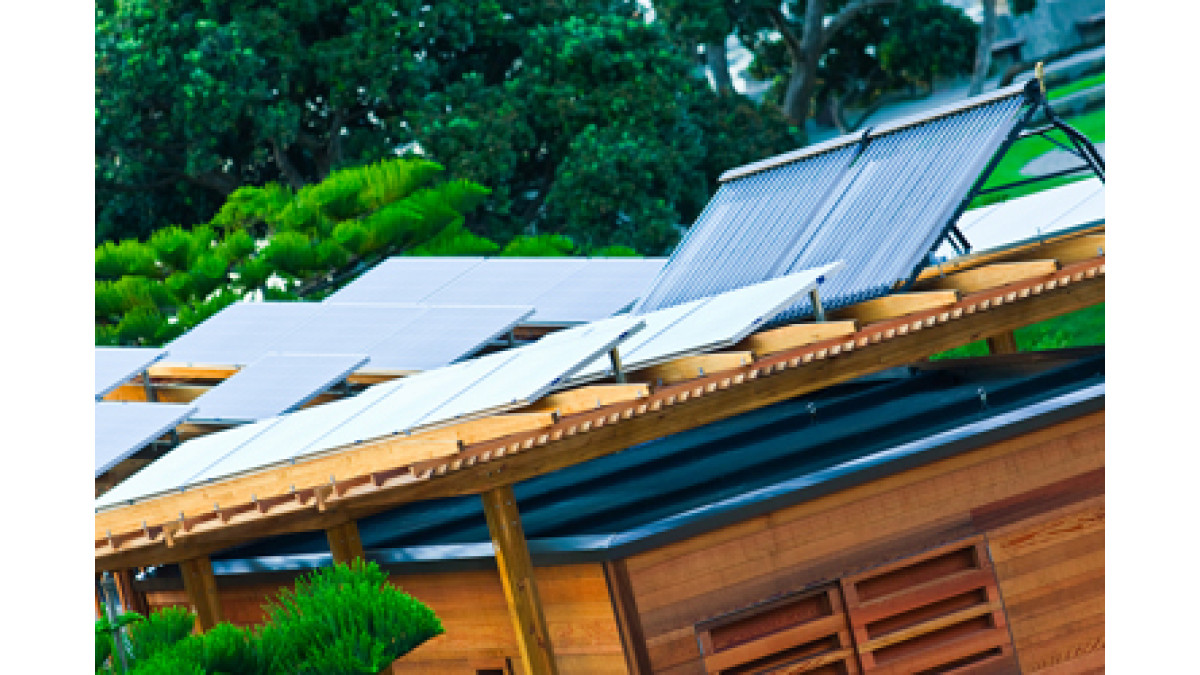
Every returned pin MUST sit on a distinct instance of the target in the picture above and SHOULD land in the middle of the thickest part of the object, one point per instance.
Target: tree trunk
(718, 65)
(983, 55)
(798, 98)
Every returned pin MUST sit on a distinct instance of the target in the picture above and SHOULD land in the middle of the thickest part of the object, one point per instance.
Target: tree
(195, 98)
(987, 37)
(840, 51)
(541, 102)
(279, 243)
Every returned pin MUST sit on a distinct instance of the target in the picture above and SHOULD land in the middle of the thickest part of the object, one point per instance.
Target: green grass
(1077, 85)
(1077, 329)
(1022, 152)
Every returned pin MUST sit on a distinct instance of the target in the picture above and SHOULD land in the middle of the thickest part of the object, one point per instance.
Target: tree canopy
(582, 117)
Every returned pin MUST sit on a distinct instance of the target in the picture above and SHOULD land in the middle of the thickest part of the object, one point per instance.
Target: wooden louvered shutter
(802, 633)
(937, 612)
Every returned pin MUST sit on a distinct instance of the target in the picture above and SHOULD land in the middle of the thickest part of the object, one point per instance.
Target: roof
(732, 469)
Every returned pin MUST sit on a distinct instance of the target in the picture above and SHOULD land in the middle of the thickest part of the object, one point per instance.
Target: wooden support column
(201, 587)
(1002, 343)
(344, 543)
(516, 575)
(132, 600)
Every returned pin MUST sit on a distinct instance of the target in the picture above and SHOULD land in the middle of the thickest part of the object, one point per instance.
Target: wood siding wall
(479, 634)
(1037, 500)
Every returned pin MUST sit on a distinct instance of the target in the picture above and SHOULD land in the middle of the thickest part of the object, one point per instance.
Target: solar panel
(879, 202)
(601, 288)
(123, 428)
(710, 323)
(507, 280)
(563, 291)
(1041, 213)
(273, 385)
(495, 382)
(394, 337)
(404, 279)
(241, 333)
(117, 365)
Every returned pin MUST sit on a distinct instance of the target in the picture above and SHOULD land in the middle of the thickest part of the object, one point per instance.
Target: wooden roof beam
(589, 398)
(690, 367)
(1028, 251)
(896, 305)
(993, 275)
(796, 335)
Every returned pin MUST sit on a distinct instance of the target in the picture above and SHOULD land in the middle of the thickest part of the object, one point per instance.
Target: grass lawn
(1022, 152)
(1077, 329)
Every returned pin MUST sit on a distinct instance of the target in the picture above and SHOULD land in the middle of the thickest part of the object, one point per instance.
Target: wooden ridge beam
(201, 587)
(517, 578)
(586, 435)
(589, 398)
(797, 335)
(690, 367)
(990, 276)
(896, 305)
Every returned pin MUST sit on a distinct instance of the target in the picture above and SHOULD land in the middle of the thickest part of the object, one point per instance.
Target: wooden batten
(691, 367)
(516, 575)
(797, 335)
(591, 397)
(178, 371)
(896, 305)
(163, 393)
(990, 276)
(201, 587)
(1066, 248)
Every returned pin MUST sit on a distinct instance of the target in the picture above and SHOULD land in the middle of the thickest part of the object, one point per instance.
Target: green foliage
(159, 631)
(1081, 328)
(539, 246)
(149, 293)
(345, 619)
(339, 619)
(196, 101)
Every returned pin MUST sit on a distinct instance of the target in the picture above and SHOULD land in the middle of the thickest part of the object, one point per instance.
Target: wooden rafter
(585, 435)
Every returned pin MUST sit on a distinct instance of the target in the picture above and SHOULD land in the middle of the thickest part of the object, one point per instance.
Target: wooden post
(1002, 343)
(201, 587)
(516, 574)
(344, 543)
(132, 600)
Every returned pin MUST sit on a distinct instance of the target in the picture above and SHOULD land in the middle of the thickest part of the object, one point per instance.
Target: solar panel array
(711, 323)
(1038, 214)
(400, 337)
(880, 207)
(117, 365)
(563, 291)
(123, 428)
(273, 385)
(492, 383)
